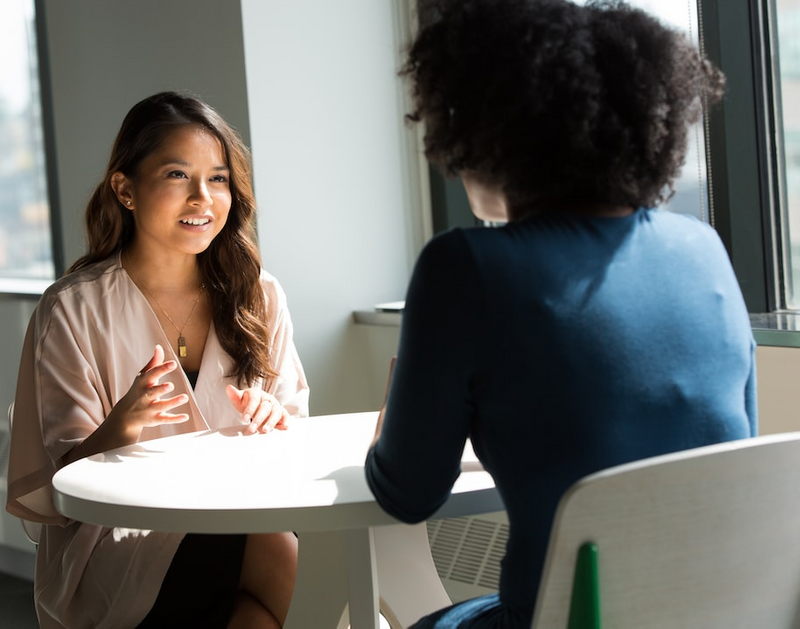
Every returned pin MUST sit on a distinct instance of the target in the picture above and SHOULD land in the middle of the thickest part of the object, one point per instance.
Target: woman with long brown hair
(168, 324)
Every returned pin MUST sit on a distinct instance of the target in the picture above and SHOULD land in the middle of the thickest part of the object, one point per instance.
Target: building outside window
(25, 229)
(787, 90)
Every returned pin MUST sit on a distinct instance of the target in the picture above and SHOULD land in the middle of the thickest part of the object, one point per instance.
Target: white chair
(707, 538)
(33, 530)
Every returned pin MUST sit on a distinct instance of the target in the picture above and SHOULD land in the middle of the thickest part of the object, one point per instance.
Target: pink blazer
(89, 336)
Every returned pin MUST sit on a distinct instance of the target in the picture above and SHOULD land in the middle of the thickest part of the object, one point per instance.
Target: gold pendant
(182, 347)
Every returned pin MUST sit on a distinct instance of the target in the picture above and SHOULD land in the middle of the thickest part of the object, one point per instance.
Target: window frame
(743, 155)
(48, 135)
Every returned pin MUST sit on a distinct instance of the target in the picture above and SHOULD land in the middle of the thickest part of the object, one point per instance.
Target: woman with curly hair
(172, 273)
(591, 329)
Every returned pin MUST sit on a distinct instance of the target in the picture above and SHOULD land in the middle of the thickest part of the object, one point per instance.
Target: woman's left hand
(260, 410)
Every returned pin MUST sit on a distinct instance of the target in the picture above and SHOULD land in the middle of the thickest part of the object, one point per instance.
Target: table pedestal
(338, 566)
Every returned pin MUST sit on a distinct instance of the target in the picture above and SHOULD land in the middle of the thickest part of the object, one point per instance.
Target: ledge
(378, 317)
(776, 329)
(389, 313)
(28, 288)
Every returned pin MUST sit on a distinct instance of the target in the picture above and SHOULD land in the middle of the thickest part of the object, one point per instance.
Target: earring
(128, 203)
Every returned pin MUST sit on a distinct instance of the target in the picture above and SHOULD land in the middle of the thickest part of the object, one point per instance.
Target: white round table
(309, 479)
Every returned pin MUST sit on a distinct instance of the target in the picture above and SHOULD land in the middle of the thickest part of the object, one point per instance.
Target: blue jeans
(484, 612)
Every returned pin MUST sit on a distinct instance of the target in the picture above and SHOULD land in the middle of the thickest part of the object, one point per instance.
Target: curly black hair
(555, 103)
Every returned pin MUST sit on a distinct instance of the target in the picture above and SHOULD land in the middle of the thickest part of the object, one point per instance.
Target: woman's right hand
(141, 407)
(144, 406)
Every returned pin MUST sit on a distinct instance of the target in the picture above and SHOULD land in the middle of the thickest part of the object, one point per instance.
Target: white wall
(778, 391)
(16, 552)
(106, 55)
(334, 175)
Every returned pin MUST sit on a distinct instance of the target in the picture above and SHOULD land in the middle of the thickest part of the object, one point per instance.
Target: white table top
(307, 478)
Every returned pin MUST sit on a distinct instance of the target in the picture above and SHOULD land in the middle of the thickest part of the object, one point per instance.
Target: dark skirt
(201, 585)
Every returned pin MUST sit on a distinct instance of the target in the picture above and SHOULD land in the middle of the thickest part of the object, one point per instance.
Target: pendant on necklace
(182, 347)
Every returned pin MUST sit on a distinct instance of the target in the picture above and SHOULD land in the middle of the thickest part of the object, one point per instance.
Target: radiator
(467, 553)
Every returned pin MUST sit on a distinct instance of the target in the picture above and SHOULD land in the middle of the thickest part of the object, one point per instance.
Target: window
(25, 229)
(786, 80)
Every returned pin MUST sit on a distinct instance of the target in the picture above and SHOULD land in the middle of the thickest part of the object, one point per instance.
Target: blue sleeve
(751, 394)
(412, 467)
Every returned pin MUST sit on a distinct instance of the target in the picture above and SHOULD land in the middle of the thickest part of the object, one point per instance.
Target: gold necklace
(182, 351)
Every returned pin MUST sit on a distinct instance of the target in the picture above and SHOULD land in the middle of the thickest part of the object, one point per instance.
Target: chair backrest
(706, 538)
(33, 530)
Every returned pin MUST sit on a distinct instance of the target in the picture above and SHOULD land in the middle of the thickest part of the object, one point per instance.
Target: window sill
(389, 314)
(377, 317)
(24, 288)
(776, 329)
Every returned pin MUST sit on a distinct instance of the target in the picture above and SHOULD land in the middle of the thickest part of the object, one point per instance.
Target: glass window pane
(25, 233)
(787, 17)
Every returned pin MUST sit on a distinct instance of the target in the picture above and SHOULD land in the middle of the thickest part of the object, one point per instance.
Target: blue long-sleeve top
(561, 345)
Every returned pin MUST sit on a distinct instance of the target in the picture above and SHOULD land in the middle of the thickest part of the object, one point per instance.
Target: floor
(16, 601)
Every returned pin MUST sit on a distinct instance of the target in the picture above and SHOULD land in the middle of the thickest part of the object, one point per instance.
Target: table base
(386, 568)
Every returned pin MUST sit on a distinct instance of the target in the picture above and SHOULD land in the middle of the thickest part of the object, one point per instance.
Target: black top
(192, 375)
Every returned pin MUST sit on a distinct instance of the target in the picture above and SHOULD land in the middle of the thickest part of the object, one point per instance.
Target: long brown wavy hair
(231, 266)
